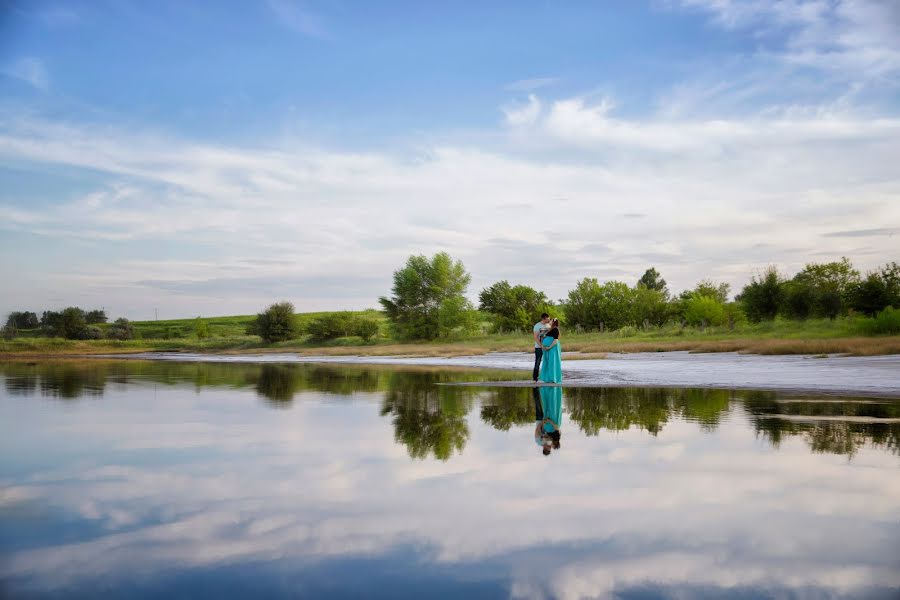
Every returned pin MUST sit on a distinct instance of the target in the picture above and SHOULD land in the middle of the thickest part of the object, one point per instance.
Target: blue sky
(209, 159)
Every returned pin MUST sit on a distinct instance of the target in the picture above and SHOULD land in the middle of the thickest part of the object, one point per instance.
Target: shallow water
(169, 479)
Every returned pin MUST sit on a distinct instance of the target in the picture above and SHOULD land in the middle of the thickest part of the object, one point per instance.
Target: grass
(227, 335)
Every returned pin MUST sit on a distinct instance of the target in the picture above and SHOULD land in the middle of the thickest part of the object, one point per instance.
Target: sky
(187, 159)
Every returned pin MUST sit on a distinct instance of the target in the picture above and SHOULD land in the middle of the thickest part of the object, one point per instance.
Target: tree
(704, 310)
(591, 304)
(365, 327)
(276, 323)
(708, 287)
(513, 308)
(72, 324)
(652, 280)
(95, 316)
(23, 320)
(422, 290)
(880, 289)
(820, 290)
(51, 322)
(649, 305)
(762, 297)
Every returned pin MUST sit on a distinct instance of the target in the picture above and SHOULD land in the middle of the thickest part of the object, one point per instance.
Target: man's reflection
(547, 417)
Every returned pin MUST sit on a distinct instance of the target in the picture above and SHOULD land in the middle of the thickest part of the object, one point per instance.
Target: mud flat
(864, 375)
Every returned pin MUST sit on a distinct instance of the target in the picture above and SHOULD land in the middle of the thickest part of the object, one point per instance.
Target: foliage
(704, 310)
(649, 305)
(340, 324)
(88, 332)
(428, 298)
(819, 290)
(276, 323)
(762, 297)
(121, 329)
(513, 308)
(51, 322)
(72, 324)
(23, 320)
(652, 280)
(9, 331)
(591, 304)
(885, 322)
(880, 289)
(708, 287)
(94, 317)
(201, 329)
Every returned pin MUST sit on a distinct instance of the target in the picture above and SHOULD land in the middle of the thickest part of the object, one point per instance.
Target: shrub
(121, 329)
(365, 328)
(331, 326)
(88, 332)
(885, 322)
(201, 329)
(276, 323)
(9, 331)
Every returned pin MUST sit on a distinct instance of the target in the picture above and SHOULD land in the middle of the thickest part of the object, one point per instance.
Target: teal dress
(551, 366)
(551, 403)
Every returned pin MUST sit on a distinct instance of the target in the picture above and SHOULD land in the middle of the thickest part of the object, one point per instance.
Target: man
(539, 329)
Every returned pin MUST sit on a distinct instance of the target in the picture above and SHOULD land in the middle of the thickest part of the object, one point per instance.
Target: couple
(547, 351)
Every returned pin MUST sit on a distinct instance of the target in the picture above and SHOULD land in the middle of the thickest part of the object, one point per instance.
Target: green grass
(781, 336)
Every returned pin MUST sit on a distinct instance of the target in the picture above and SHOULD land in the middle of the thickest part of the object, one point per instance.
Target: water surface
(154, 479)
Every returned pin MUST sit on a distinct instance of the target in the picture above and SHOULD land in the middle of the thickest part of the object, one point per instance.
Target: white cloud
(529, 85)
(30, 70)
(523, 114)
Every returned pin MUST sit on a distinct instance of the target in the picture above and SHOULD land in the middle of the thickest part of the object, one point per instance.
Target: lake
(148, 479)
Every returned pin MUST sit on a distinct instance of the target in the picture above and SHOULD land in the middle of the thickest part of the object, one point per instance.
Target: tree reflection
(618, 409)
(819, 422)
(501, 408)
(428, 419)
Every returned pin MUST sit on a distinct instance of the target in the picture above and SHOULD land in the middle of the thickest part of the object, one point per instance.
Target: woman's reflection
(547, 417)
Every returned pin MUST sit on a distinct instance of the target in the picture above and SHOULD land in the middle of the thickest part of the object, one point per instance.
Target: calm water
(191, 480)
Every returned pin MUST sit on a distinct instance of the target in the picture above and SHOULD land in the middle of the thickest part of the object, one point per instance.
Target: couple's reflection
(547, 417)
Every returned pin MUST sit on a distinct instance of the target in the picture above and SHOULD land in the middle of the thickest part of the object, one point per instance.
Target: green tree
(762, 297)
(365, 327)
(277, 323)
(51, 323)
(513, 308)
(649, 305)
(591, 304)
(879, 289)
(704, 310)
(93, 317)
(820, 290)
(422, 290)
(72, 323)
(652, 280)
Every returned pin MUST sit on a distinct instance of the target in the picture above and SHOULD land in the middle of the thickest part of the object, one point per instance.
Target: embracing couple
(547, 351)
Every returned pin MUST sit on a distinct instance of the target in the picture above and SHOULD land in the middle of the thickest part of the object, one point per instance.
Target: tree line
(429, 301)
(72, 323)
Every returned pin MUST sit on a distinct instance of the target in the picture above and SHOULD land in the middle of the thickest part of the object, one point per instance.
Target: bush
(365, 328)
(704, 310)
(880, 289)
(88, 332)
(201, 329)
(886, 322)
(277, 323)
(331, 326)
(121, 329)
(51, 323)
(9, 331)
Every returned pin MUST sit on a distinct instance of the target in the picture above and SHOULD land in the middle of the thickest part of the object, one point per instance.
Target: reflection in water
(175, 481)
(429, 419)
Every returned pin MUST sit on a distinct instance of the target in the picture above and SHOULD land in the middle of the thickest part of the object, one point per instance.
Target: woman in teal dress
(551, 366)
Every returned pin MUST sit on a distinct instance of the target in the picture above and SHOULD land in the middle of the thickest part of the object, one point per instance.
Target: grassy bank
(227, 334)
